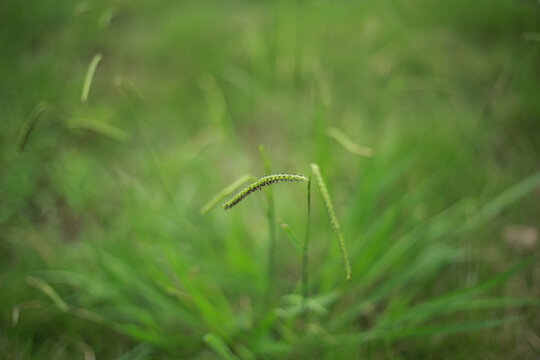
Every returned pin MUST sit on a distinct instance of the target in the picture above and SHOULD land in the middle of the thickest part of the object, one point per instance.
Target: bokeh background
(424, 117)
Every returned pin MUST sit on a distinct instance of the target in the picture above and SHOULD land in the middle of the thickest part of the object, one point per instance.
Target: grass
(103, 251)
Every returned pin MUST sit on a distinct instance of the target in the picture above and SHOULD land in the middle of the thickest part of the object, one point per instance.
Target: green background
(103, 251)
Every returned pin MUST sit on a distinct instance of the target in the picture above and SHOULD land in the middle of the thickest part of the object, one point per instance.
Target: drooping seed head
(259, 184)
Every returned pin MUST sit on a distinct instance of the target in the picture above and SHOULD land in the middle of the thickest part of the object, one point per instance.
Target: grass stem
(305, 279)
(270, 215)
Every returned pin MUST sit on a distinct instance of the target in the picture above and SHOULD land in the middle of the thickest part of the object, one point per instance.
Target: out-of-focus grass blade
(95, 288)
(209, 300)
(531, 36)
(214, 98)
(29, 125)
(424, 266)
(128, 90)
(143, 334)
(459, 298)
(106, 17)
(429, 330)
(494, 207)
(291, 235)
(494, 303)
(448, 222)
(90, 76)
(445, 329)
(219, 346)
(226, 193)
(100, 128)
(348, 144)
(49, 291)
(139, 352)
(297, 305)
(244, 352)
(129, 281)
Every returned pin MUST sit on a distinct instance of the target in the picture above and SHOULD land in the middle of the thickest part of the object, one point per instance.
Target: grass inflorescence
(259, 184)
(272, 179)
(225, 192)
(333, 219)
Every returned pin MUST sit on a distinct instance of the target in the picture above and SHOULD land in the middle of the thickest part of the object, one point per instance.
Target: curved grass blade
(291, 235)
(333, 219)
(30, 124)
(219, 346)
(49, 291)
(348, 144)
(90, 76)
(100, 128)
(422, 331)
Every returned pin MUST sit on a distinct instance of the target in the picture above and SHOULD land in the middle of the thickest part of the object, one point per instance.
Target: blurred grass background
(103, 252)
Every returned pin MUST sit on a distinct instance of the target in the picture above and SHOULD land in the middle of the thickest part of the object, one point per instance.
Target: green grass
(103, 250)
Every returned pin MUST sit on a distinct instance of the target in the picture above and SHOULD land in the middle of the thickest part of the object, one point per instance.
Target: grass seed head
(259, 184)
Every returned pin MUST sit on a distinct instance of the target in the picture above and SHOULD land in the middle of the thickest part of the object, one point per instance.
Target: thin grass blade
(348, 144)
(219, 346)
(90, 76)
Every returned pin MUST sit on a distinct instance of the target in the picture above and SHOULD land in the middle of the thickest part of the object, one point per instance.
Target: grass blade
(100, 128)
(219, 346)
(348, 144)
(428, 330)
(30, 124)
(90, 76)
(270, 213)
(291, 235)
(49, 291)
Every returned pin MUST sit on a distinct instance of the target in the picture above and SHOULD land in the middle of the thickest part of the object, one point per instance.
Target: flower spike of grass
(259, 184)
(225, 192)
(333, 219)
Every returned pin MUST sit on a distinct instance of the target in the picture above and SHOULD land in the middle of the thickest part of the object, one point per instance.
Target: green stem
(270, 215)
(272, 224)
(305, 279)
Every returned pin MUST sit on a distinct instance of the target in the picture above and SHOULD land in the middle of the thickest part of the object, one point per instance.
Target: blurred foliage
(103, 251)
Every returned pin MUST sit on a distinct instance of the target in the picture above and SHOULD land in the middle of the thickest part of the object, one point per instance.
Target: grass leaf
(219, 346)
